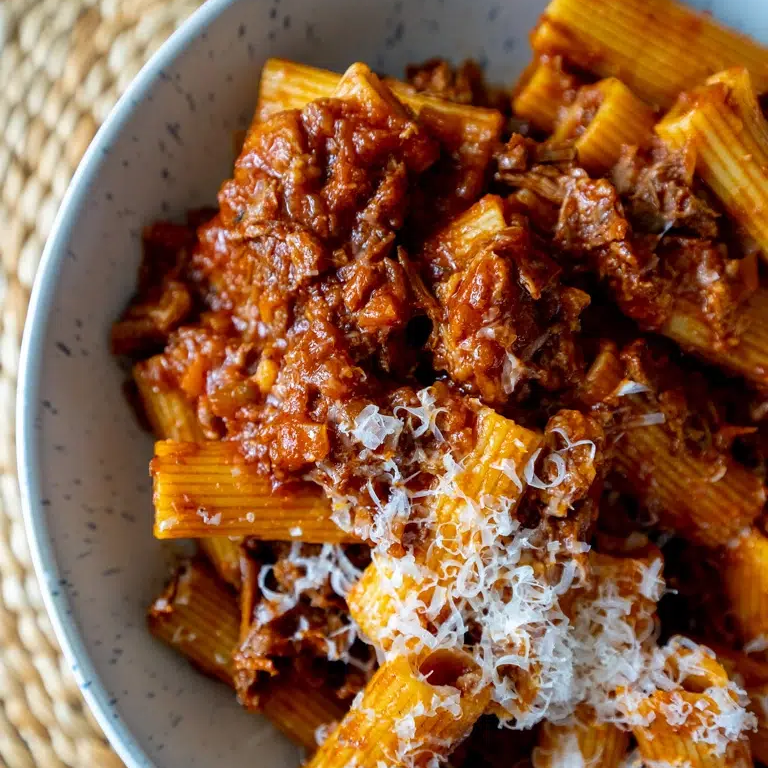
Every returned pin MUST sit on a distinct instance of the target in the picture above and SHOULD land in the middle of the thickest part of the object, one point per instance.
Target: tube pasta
(707, 503)
(299, 710)
(207, 489)
(197, 616)
(457, 241)
(172, 417)
(373, 601)
(753, 674)
(620, 118)
(677, 741)
(665, 746)
(200, 618)
(406, 716)
(170, 414)
(724, 123)
(657, 47)
(545, 94)
(745, 578)
(747, 352)
(288, 85)
(224, 554)
(758, 739)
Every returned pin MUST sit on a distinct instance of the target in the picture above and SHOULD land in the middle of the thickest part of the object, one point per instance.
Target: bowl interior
(83, 459)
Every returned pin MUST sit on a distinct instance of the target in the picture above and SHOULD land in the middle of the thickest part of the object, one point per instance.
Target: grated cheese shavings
(648, 420)
(629, 387)
(373, 428)
(757, 644)
(207, 518)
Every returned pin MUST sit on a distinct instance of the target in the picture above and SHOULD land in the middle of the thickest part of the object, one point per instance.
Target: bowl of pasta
(393, 390)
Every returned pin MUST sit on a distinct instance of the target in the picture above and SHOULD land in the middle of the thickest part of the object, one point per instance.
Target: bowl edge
(41, 548)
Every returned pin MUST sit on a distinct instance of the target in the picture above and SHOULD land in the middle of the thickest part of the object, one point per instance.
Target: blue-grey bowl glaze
(82, 458)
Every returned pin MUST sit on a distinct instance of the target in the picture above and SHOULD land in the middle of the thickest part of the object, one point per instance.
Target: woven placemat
(63, 64)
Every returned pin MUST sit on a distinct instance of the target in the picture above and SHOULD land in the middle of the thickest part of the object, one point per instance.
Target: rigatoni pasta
(302, 712)
(752, 673)
(169, 412)
(225, 556)
(542, 97)
(746, 353)
(436, 701)
(745, 576)
(288, 85)
(723, 122)
(708, 503)
(207, 489)
(657, 48)
(204, 628)
(601, 119)
(685, 725)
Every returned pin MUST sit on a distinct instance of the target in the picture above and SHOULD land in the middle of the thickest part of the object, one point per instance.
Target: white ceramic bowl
(82, 458)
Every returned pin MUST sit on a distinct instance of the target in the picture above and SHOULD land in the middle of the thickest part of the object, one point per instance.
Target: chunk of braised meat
(649, 276)
(464, 84)
(656, 185)
(705, 277)
(145, 326)
(643, 383)
(462, 173)
(162, 301)
(301, 258)
(215, 369)
(318, 385)
(295, 617)
(338, 168)
(591, 225)
(503, 318)
(650, 273)
(313, 191)
(524, 162)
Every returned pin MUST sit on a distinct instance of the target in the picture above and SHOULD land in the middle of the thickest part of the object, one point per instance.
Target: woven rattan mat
(63, 63)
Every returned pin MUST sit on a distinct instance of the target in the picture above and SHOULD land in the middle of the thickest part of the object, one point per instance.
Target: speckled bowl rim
(30, 366)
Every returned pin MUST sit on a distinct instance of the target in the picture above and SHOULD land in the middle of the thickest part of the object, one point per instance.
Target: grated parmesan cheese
(207, 518)
(756, 644)
(512, 371)
(629, 387)
(502, 585)
(426, 413)
(648, 420)
(529, 472)
(372, 428)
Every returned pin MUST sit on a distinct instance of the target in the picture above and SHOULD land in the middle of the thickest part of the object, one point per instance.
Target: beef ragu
(414, 399)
